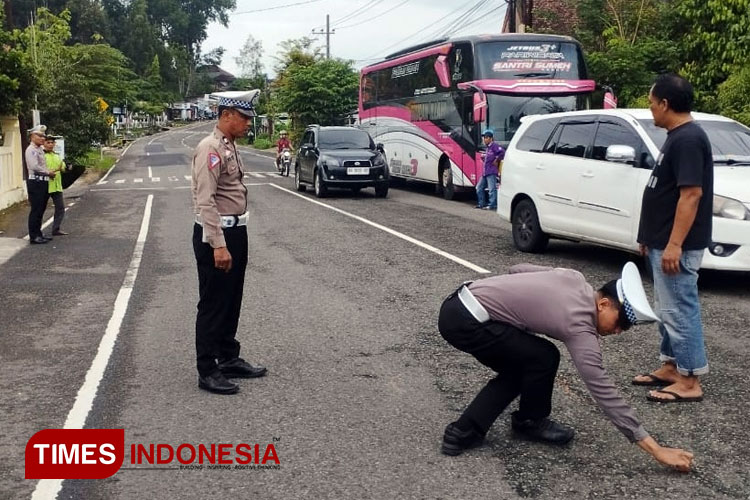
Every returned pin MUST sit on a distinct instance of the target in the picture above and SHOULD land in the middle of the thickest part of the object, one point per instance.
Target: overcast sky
(366, 30)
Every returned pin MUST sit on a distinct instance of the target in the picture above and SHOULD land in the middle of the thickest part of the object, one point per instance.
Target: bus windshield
(504, 112)
(516, 60)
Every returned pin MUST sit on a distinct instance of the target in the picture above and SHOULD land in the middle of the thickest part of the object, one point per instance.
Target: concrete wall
(12, 188)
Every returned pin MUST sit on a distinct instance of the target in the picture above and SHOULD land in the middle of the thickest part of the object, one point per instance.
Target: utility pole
(512, 16)
(328, 32)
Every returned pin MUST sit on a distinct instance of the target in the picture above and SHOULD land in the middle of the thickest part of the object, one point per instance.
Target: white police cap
(633, 297)
(39, 129)
(241, 100)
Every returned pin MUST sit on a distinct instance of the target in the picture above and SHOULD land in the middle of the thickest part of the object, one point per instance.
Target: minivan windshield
(345, 139)
(730, 141)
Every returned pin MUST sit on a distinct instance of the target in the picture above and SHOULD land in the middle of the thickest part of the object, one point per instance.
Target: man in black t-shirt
(674, 231)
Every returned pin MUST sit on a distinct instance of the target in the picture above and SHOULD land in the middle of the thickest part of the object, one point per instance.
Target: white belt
(472, 305)
(38, 177)
(228, 220)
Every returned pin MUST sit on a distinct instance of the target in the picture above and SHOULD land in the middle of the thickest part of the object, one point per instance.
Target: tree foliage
(249, 60)
(17, 79)
(323, 91)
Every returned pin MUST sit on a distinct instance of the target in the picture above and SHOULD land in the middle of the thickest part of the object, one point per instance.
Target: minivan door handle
(588, 175)
(541, 166)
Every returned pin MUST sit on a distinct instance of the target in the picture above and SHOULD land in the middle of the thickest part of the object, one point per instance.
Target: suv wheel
(297, 183)
(381, 191)
(320, 187)
(445, 181)
(527, 233)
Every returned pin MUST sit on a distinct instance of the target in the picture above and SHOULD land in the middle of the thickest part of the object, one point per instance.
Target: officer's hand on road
(222, 259)
(675, 457)
(670, 260)
(642, 249)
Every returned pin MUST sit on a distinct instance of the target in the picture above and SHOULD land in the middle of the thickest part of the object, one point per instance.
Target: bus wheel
(446, 181)
(527, 233)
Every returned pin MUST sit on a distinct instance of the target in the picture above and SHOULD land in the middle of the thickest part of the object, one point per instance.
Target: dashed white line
(150, 173)
(138, 179)
(120, 181)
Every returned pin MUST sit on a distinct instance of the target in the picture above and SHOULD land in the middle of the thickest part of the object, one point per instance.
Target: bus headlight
(730, 208)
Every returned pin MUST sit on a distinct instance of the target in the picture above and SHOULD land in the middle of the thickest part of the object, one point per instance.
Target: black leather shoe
(542, 429)
(239, 368)
(39, 240)
(456, 441)
(216, 382)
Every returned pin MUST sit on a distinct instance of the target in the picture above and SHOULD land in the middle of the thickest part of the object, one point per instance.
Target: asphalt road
(343, 313)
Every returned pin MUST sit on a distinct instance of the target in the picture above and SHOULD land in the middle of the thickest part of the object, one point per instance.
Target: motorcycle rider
(281, 144)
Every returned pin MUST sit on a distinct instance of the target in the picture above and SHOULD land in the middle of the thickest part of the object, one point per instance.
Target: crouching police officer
(492, 318)
(220, 246)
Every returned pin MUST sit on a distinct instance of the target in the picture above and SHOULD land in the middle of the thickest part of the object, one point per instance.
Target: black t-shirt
(685, 160)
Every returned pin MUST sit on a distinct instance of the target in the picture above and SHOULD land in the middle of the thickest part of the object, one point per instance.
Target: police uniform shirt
(217, 185)
(560, 304)
(35, 161)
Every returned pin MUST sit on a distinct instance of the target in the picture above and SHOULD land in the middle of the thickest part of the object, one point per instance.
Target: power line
(357, 12)
(374, 17)
(432, 34)
(274, 8)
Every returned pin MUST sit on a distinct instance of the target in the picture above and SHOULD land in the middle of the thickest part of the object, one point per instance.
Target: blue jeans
(487, 182)
(677, 305)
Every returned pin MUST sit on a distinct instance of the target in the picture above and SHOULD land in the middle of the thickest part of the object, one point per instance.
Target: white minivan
(581, 175)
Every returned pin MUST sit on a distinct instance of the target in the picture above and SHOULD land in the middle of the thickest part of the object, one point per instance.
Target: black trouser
(38, 194)
(526, 364)
(220, 299)
(59, 201)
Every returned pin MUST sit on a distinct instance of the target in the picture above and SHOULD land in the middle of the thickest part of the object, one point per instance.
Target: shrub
(262, 143)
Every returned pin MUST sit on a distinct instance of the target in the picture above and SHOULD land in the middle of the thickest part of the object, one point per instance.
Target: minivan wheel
(527, 233)
(320, 188)
(297, 183)
(446, 181)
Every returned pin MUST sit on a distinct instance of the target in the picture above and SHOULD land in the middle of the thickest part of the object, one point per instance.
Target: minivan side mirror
(620, 153)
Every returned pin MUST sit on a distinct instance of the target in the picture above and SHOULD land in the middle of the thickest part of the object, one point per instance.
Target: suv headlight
(730, 208)
(330, 162)
(379, 161)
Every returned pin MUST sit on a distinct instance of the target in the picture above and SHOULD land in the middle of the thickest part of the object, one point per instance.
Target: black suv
(340, 157)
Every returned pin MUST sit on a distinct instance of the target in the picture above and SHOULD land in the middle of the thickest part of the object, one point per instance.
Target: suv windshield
(505, 111)
(730, 141)
(345, 139)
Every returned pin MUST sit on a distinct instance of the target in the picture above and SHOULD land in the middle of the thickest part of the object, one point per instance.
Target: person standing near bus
(493, 155)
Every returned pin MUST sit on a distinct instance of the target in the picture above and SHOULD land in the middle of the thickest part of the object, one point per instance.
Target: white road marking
(120, 181)
(155, 179)
(172, 178)
(138, 179)
(103, 180)
(255, 174)
(415, 241)
(150, 173)
(189, 178)
(47, 489)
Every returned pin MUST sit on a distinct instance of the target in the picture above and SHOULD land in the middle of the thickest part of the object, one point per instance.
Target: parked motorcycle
(284, 163)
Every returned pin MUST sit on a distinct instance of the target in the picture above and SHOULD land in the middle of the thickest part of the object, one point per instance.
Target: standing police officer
(37, 184)
(220, 245)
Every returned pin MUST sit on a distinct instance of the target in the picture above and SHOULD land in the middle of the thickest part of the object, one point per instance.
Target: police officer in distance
(37, 183)
(220, 246)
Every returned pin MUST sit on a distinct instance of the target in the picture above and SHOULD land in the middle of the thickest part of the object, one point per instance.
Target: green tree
(322, 92)
(17, 80)
(734, 96)
(72, 78)
(249, 59)
(715, 38)
(626, 44)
